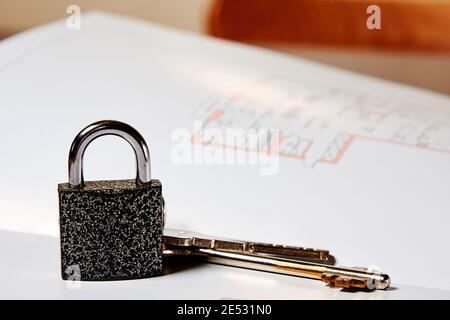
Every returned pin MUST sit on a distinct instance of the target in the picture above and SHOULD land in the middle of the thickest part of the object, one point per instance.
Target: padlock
(110, 230)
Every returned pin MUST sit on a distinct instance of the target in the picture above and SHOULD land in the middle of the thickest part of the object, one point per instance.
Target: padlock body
(111, 230)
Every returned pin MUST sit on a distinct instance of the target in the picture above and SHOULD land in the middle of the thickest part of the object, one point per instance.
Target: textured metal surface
(111, 230)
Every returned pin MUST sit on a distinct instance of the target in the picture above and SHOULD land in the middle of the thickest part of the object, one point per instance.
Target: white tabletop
(30, 270)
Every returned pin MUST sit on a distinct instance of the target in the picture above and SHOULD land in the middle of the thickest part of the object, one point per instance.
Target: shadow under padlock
(110, 230)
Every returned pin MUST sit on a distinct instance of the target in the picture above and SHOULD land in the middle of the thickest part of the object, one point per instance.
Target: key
(185, 239)
(270, 258)
(340, 277)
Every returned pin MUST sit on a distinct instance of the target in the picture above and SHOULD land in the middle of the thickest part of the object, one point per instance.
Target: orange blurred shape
(405, 24)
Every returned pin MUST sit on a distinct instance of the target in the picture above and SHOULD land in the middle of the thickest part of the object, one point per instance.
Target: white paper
(364, 165)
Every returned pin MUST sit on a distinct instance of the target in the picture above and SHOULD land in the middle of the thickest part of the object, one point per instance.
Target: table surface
(32, 272)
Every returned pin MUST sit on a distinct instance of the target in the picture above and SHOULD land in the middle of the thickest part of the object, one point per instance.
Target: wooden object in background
(405, 24)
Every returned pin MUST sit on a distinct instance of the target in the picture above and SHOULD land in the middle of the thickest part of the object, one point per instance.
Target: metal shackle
(102, 128)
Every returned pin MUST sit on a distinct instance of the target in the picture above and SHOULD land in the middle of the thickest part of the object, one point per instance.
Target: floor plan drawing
(318, 124)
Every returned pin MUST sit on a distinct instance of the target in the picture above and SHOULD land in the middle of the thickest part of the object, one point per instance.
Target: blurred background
(412, 46)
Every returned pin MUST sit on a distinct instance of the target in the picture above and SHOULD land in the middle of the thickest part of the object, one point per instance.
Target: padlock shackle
(102, 128)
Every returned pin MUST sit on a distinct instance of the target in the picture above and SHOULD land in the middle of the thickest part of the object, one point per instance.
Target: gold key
(270, 258)
(342, 277)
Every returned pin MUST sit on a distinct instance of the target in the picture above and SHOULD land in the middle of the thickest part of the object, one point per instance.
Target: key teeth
(329, 278)
(337, 281)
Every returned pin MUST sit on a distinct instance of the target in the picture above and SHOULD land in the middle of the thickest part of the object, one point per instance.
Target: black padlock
(110, 230)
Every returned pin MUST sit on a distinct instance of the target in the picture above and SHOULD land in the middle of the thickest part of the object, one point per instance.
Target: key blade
(334, 280)
(178, 238)
(170, 252)
(289, 251)
(370, 281)
(192, 239)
